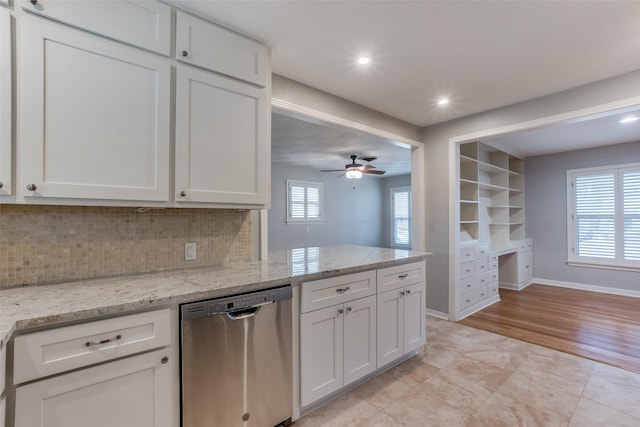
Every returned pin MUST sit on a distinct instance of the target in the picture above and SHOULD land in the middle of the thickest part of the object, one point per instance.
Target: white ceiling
(483, 54)
(320, 146)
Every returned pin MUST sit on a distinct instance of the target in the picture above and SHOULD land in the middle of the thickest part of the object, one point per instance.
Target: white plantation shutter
(595, 215)
(401, 216)
(631, 212)
(605, 215)
(304, 201)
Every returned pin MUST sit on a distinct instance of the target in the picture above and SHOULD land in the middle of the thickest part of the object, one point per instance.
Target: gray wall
(546, 214)
(438, 171)
(387, 185)
(350, 216)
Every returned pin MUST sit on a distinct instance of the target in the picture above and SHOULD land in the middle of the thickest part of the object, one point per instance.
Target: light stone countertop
(26, 307)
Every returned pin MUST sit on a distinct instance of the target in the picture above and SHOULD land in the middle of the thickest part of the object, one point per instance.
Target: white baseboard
(584, 287)
(438, 314)
(514, 286)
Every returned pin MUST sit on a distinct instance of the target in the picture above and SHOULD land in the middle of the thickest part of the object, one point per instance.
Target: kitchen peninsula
(31, 310)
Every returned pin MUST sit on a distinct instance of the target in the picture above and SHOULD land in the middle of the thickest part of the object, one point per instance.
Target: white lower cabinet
(104, 373)
(6, 100)
(133, 392)
(337, 347)
(350, 329)
(401, 322)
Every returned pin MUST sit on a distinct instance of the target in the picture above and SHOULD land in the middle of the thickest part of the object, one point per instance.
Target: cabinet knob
(408, 291)
(183, 194)
(401, 293)
(185, 53)
(164, 360)
(32, 187)
(340, 311)
(349, 308)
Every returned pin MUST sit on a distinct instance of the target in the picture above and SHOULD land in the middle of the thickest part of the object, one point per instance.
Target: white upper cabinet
(6, 143)
(95, 117)
(201, 43)
(146, 24)
(222, 140)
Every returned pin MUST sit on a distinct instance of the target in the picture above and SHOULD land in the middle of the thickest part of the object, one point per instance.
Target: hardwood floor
(597, 326)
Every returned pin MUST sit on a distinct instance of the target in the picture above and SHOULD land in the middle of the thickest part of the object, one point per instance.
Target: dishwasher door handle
(243, 314)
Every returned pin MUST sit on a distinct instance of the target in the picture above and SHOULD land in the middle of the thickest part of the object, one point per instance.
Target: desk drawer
(62, 349)
(401, 275)
(467, 269)
(337, 290)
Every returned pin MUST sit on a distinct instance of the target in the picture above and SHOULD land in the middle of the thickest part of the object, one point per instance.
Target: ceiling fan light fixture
(353, 174)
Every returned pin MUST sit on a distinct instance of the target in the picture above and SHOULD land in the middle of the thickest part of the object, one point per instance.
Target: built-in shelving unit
(493, 251)
(491, 196)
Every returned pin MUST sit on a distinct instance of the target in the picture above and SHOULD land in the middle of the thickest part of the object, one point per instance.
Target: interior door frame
(418, 215)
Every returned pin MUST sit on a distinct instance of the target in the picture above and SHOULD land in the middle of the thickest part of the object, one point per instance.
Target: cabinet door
(359, 338)
(390, 328)
(95, 117)
(321, 353)
(206, 45)
(222, 140)
(140, 23)
(134, 391)
(414, 311)
(525, 266)
(6, 156)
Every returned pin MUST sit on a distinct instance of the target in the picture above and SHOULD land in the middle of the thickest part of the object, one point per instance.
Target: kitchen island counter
(39, 306)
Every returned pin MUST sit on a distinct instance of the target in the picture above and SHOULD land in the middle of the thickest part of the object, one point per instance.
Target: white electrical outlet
(189, 251)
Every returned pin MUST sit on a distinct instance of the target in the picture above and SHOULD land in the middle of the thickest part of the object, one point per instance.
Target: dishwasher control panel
(236, 302)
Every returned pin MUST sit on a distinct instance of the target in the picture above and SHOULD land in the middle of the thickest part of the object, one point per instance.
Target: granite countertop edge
(30, 307)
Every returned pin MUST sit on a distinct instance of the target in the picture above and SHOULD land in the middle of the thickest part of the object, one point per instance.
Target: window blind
(595, 215)
(401, 204)
(631, 212)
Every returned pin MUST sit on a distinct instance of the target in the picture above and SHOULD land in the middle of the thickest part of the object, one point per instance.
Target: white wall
(351, 216)
(546, 214)
(440, 167)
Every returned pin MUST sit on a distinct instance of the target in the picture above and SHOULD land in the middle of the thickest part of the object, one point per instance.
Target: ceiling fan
(355, 170)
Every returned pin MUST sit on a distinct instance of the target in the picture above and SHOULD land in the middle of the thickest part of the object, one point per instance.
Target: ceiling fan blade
(373, 172)
(331, 170)
(367, 158)
(367, 167)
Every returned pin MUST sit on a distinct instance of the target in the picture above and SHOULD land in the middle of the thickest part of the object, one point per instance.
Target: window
(304, 201)
(401, 216)
(604, 216)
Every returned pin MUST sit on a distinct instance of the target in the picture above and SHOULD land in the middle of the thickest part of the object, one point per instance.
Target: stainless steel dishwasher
(236, 360)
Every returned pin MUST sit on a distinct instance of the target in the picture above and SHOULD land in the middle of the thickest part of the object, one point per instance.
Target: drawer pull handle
(104, 341)
(342, 290)
(403, 276)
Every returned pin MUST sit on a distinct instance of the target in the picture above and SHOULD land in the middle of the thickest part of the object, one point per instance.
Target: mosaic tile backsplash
(49, 244)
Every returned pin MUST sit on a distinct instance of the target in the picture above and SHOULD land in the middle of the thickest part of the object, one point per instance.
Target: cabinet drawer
(473, 282)
(493, 258)
(492, 276)
(481, 265)
(401, 275)
(57, 350)
(492, 289)
(525, 245)
(209, 46)
(467, 253)
(481, 251)
(492, 264)
(473, 297)
(467, 269)
(337, 290)
(145, 24)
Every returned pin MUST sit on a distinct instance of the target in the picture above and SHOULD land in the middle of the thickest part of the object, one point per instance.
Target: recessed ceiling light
(443, 101)
(629, 119)
(363, 60)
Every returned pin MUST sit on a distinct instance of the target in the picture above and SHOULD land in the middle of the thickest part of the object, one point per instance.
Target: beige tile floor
(468, 377)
